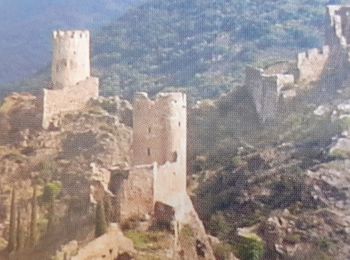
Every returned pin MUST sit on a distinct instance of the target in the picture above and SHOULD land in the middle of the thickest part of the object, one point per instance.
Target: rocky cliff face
(28, 155)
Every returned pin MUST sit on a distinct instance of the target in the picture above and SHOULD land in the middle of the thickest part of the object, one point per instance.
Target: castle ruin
(71, 83)
(328, 66)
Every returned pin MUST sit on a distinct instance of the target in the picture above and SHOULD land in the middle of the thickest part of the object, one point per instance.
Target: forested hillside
(202, 45)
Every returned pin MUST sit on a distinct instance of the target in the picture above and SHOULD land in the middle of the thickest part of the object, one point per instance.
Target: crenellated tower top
(71, 58)
(160, 128)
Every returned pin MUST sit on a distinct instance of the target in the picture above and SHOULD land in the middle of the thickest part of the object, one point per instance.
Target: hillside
(200, 45)
(25, 27)
(196, 45)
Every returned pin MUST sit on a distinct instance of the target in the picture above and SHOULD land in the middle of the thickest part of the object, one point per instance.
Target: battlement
(72, 85)
(66, 35)
(162, 100)
(311, 64)
(314, 54)
(160, 127)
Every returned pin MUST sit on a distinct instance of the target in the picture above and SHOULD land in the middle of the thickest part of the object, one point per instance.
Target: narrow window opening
(149, 130)
(179, 124)
(174, 157)
(149, 151)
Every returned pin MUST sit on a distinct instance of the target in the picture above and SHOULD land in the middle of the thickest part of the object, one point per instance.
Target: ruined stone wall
(169, 184)
(311, 64)
(148, 184)
(267, 91)
(137, 193)
(337, 38)
(254, 84)
(338, 29)
(58, 101)
(71, 58)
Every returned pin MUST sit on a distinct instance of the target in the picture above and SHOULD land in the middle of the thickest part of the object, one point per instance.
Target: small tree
(20, 231)
(100, 220)
(12, 232)
(51, 191)
(34, 219)
(108, 209)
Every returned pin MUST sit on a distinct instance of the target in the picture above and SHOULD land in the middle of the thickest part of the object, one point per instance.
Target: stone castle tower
(158, 172)
(71, 83)
(71, 58)
(159, 129)
(159, 136)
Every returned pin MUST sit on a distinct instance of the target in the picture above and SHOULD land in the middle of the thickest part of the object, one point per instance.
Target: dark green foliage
(287, 191)
(20, 232)
(175, 43)
(199, 46)
(33, 231)
(51, 191)
(51, 215)
(100, 220)
(251, 249)
(12, 232)
(219, 226)
(108, 208)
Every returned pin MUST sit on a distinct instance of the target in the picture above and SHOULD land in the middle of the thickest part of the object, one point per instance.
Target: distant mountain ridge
(25, 27)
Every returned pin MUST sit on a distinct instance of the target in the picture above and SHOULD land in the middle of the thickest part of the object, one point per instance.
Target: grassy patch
(145, 241)
(187, 232)
(222, 251)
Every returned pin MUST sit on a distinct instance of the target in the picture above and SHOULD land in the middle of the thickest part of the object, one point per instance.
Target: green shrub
(51, 191)
(251, 249)
(100, 220)
(187, 231)
(237, 161)
(292, 238)
(219, 226)
(146, 240)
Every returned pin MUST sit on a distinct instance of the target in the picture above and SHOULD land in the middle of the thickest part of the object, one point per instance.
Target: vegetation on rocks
(100, 220)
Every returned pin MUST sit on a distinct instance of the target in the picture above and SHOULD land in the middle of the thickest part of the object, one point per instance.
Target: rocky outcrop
(110, 246)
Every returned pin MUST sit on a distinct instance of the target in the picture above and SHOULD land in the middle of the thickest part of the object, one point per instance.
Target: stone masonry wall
(58, 101)
(71, 58)
(266, 91)
(160, 129)
(136, 196)
(337, 36)
(311, 64)
(148, 184)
